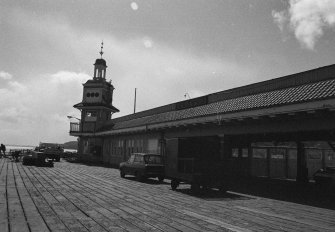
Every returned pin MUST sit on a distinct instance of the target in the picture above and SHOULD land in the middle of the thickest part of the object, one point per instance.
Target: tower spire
(100, 66)
(102, 46)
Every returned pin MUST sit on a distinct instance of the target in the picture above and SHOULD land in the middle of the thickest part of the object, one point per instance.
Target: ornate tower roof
(100, 66)
(100, 62)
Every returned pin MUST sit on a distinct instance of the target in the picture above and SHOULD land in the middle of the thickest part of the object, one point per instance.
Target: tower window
(96, 94)
(91, 114)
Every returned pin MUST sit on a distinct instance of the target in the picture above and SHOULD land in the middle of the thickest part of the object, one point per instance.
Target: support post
(268, 162)
(135, 101)
(286, 163)
(226, 154)
(250, 159)
(323, 158)
(222, 148)
(302, 171)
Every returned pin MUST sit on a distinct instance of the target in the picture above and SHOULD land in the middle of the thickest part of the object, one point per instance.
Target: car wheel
(222, 189)
(138, 176)
(195, 188)
(50, 164)
(122, 174)
(174, 184)
(205, 188)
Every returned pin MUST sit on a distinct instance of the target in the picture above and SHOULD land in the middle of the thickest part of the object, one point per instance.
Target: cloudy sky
(163, 48)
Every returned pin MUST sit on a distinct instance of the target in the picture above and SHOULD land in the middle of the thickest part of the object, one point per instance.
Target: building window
(313, 154)
(92, 94)
(153, 145)
(292, 154)
(329, 154)
(91, 114)
(277, 153)
(245, 152)
(259, 153)
(234, 153)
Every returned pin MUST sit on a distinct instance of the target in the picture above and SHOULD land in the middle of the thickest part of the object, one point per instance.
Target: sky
(169, 50)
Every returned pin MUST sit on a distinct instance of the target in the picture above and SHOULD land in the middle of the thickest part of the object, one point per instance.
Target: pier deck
(77, 197)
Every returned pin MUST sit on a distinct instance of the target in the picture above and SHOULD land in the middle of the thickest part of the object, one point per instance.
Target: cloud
(67, 77)
(134, 6)
(308, 19)
(5, 75)
(35, 108)
(38, 108)
(163, 75)
(280, 18)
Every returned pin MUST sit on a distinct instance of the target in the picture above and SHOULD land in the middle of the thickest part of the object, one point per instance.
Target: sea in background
(19, 147)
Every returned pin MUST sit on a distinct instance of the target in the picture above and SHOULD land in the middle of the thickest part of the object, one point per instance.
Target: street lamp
(70, 116)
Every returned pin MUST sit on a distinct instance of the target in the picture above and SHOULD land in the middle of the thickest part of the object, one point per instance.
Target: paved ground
(76, 197)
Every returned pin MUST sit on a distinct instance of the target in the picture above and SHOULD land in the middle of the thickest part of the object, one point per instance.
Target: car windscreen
(152, 159)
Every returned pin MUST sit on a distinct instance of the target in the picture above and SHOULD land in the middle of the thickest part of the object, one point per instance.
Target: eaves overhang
(83, 134)
(94, 106)
(225, 118)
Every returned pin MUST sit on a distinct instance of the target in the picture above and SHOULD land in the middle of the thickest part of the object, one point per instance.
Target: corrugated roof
(297, 94)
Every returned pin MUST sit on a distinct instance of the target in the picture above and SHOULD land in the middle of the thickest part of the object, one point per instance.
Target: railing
(87, 127)
(74, 127)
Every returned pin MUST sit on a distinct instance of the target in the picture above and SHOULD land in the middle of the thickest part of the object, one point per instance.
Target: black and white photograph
(167, 115)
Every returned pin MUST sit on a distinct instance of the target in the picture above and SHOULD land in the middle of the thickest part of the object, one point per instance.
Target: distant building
(280, 128)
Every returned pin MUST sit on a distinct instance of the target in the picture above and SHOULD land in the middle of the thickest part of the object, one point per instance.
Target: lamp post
(186, 95)
(70, 116)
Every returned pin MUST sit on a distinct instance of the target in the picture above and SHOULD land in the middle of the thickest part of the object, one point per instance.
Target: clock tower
(96, 107)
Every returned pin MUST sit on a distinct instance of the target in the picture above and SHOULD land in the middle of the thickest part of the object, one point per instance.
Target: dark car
(325, 176)
(142, 166)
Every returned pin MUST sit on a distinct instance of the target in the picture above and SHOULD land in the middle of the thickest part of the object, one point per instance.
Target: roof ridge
(285, 82)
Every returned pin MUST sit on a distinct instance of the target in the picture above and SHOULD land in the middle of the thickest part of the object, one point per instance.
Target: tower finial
(102, 46)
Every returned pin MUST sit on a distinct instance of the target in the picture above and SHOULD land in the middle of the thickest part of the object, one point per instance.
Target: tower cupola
(100, 66)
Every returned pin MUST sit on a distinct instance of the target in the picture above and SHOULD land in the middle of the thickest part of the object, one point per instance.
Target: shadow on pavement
(213, 195)
(151, 181)
(291, 191)
(284, 190)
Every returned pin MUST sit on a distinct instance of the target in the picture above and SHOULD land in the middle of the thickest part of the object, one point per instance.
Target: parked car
(325, 176)
(28, 160)
(51, 150)
(37, 159)
(142, 166)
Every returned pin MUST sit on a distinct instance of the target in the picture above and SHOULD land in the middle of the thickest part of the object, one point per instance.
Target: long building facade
(280, 128)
